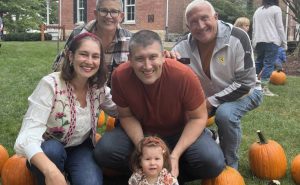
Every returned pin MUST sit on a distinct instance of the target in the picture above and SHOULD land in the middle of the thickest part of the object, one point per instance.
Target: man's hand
(171, 54)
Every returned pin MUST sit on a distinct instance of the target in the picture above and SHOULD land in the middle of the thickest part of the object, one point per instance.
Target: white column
(287, 21)
(167, 22)
(47, 2)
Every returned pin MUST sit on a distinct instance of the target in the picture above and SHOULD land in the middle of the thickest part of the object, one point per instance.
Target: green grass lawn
(23, 64)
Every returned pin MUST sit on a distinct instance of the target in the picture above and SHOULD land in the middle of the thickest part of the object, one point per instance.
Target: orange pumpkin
(105, 119)
(110, 123)
(97, 137)
(101, 119)
(15, 172)
(3, 156)
(210, 121)
(229, 176)
(278, 77)
(267, 159)
(295, 169)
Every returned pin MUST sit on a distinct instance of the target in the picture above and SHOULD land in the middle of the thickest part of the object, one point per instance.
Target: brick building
(163, 16)
(166, 17)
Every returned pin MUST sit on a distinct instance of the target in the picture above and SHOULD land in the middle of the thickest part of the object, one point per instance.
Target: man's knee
(102, 151)
(214, 168)
(223, 113)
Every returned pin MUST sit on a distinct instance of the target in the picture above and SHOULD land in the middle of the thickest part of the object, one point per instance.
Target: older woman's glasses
(104, 12)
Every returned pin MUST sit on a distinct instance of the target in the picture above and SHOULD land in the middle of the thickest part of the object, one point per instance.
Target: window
(129, 10)
(80, 11)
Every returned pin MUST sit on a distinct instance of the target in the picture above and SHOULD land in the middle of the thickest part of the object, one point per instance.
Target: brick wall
(176, 11)
(67, 14)
(146, 9)
(91, 6)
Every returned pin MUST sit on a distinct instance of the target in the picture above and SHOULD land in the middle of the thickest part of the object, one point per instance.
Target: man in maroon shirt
(158, 96)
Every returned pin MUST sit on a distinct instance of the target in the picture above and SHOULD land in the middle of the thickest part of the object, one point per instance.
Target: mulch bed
(292, 66)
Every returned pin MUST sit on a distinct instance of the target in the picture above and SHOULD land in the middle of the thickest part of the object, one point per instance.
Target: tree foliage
(20, 15)
(230, 10)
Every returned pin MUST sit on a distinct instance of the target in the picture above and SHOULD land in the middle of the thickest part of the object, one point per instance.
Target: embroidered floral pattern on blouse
(58, 132)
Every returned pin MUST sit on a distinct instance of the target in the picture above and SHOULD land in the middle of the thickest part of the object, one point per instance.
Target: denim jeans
(266, 57)
(228, 119)
(203, 159)
(76, 161)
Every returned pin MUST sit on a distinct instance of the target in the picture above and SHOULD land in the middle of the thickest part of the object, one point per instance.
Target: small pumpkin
(15, 172)
(101, 119)
(106, 119)
(210, 121)
(229, 176)
(278, 77)
(3, 156)
(97, 137)
(110, 123)
(295, 169)
(267, 159)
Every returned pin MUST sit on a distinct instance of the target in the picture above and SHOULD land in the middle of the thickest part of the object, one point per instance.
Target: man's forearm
(189, 135)
(133, 129)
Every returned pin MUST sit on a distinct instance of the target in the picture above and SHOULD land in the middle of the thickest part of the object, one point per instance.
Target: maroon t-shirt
(160, 107)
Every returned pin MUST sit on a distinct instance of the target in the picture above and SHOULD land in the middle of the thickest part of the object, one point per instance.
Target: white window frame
(80, 11)
(126, 7)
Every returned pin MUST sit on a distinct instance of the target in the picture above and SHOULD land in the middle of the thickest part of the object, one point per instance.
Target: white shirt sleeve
(29, 140)
(107, 105)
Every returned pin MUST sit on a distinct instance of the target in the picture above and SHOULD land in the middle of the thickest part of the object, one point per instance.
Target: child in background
(243, 23)
(151, 163)
(281, 58)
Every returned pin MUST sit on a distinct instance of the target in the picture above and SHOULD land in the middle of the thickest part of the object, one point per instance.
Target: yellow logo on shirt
(221, 59)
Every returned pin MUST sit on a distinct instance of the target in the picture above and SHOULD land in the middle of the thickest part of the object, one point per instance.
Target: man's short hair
(144, 38)
(196, 3)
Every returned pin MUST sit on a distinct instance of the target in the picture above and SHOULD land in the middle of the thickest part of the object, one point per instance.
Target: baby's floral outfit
(164, 178)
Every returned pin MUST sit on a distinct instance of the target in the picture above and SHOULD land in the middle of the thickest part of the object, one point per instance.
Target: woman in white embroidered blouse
(58, 131)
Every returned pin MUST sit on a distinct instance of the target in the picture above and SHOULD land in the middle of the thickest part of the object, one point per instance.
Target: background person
(268, 36)
(222, 58)
(280, 59)
(243, 23)
(151, 163)
(58, 130)
(158, 96)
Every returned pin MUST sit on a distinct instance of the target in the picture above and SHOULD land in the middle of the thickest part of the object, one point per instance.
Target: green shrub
(25, 37)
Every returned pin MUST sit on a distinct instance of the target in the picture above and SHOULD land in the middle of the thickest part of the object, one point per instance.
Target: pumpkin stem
(262, 139)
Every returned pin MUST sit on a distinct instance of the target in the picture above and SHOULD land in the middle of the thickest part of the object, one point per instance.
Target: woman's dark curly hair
(68, 73)
(150, 141)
